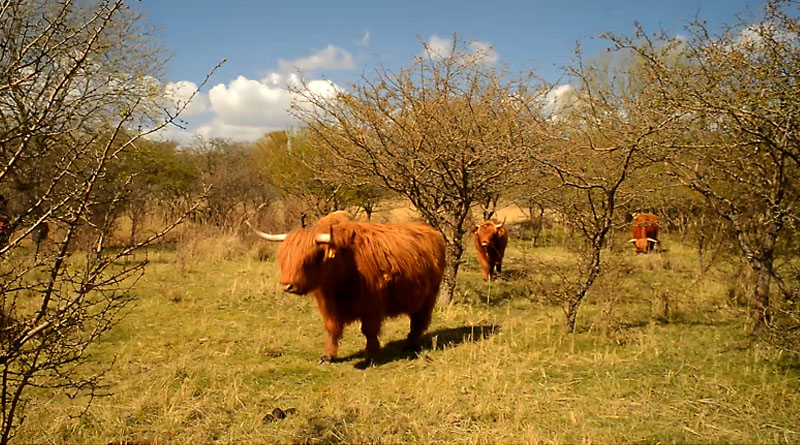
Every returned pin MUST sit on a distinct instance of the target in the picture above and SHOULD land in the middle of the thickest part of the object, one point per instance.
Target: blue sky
(266, 42)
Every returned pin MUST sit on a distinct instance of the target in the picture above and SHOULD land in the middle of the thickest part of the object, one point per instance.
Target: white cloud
(249, 102)
(558, 94)
(759, 35)
(364, 40)
(331, 58)
(557, 98)
(178, 93)
(246, 109)
(324, 88)
(441, 48)
(174, 133)
(489, 54)
(219, 129)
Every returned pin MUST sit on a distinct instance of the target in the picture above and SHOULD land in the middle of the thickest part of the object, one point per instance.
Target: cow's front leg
(335, 331)
(420, 321)
(371, 329)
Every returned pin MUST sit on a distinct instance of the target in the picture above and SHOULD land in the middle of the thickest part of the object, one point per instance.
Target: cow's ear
(475, 229)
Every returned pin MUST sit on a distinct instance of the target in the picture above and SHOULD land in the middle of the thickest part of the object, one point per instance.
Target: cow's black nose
(289, 288)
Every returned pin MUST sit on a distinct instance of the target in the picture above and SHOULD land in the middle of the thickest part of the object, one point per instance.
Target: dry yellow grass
(212, 346)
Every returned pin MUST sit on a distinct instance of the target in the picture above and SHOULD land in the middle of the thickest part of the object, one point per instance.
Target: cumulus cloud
(557, 98)
(234, 132)
(486, 50)
(441, 48)
(248, 102)
(245, 109)
(179, 93)
(759, 34)
(331, 58)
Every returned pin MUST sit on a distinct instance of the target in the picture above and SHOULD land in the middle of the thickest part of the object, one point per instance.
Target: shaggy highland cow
(365, 272)
(645, 232)
(490, 242)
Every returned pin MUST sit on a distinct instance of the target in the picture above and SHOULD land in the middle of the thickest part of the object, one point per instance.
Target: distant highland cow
(490, 242)
(645, 232)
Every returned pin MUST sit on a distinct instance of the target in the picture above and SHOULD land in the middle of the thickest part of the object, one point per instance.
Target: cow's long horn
(497, 226)
(632, 240)
(266, 236)
(652, 240)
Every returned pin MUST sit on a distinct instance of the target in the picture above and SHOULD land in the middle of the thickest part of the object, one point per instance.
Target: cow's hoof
(412, 346)
(366, 363)
(326, 360)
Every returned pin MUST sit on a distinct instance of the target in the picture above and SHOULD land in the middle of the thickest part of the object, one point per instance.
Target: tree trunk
(571, 311)
(761, 260)
(760, 316)
(134, 225)
(573, 303)
(454, 251)
(700, 247)
(538, 222)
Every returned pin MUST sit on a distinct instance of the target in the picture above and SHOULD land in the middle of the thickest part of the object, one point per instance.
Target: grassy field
(212, 346)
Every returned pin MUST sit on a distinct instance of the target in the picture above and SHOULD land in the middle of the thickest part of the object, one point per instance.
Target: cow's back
(333, 218)
(400, 266)
(645, 225)
(645, 232)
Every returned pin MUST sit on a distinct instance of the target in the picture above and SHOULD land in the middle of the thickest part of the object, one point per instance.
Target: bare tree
(160, 180)
(236, 187)
(605, 137)
(78, 88)
(291, 163)
(739, 97)
(448, 132)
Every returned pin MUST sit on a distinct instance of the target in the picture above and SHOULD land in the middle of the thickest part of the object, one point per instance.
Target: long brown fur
(645, 225)
(333, 218)
(367, 273)
(490, 242)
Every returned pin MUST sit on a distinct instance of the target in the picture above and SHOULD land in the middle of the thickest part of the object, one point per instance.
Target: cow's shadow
(432, 341)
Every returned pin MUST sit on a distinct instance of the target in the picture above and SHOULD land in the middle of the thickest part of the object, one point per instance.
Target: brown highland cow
(359, 271)
(645, 232)
(490, 242)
